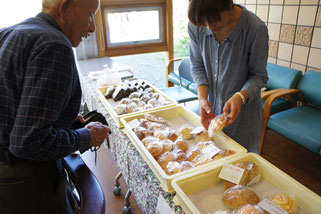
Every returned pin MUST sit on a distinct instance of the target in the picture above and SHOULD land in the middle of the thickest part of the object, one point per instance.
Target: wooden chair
(91, 198)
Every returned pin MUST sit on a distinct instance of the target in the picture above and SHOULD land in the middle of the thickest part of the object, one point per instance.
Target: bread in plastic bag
(217, 124)
(249, 209)
(238, 196)
(285, 201)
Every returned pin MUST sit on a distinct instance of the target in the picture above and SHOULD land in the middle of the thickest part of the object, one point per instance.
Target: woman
(228, 52)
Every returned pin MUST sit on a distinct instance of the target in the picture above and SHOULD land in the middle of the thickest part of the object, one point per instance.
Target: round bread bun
(181, 144)
(172, 135)
(185, 131)
(203, 144)
(223, 153)
(164, 159)
(155, 148)
(149, 139)
(192, 153)
(167, 145)
(173, 167)
(186, 165)
(140, 132)
(250, 209)
(161, 134)
(238, 196)
(217, 124)
(284, 201)
(203, 136)
(200, 160)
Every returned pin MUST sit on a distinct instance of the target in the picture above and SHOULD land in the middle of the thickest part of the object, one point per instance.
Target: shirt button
(216, 61)
(218, 45)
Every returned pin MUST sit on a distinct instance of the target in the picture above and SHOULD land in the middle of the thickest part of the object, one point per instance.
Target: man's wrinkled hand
(98, 133)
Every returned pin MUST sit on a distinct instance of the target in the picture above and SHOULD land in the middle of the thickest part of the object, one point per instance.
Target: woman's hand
(232, 108)
(206, 113)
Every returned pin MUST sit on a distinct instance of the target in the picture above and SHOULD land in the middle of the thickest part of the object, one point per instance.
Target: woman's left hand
(232, 108)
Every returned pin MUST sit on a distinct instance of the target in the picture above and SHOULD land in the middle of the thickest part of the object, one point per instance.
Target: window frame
(165, 45)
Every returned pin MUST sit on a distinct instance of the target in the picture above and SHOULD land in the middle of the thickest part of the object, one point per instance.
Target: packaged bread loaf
(238, 196)
(251, 175)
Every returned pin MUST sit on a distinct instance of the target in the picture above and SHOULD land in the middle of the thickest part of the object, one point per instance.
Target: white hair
(50, 3)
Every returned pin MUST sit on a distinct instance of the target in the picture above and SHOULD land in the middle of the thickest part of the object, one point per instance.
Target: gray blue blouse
(237, 63)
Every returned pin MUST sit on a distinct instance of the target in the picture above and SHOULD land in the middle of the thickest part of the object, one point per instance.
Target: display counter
(138, 176)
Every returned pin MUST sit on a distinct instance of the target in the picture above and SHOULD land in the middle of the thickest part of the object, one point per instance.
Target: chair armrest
(276, 95)
(265, 94)
(170, 68)
(92, 198)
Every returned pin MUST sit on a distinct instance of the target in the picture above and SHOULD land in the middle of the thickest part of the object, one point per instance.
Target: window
(132, 26)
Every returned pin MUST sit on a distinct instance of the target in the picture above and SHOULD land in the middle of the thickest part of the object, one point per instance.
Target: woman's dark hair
(202, 12)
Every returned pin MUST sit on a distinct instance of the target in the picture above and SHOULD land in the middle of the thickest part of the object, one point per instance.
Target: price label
(162, 206)
(197, 130)
(231, 173)
(270, 207)
(210, 150)
(134, 123)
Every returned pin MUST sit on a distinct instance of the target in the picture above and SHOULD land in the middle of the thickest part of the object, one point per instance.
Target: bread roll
(185, 132)
(164, 159)
(238, 196)
(203, 136)
(155, 148)
(217, 124)
(172, 135)
(167, 145)
(179, 155)
(173, 167)
(284, 201)
(192, 153)
(181, 144)
(250, 209)
(200, 160)
(186, 165)
(140, 132)
(223, 153)
(149, 139)
(203, 144)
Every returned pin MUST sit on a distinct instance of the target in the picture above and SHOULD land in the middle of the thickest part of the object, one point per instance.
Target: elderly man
(39, 101)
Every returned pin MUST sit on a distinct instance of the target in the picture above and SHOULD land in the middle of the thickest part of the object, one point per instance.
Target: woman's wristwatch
(242, 97)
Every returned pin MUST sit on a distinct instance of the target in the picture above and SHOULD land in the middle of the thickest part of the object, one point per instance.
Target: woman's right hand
(206, 112)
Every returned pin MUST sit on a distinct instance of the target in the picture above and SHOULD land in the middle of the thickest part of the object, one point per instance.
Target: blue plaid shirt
(40, 92)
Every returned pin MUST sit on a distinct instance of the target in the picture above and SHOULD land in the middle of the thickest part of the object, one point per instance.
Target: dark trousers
(34, 187)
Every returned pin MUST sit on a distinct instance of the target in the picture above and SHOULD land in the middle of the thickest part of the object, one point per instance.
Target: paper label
(162, 207)
(270, 207)
(231, 173)
(134, 123)
(210, 150)
(197, 130)
(162, 100)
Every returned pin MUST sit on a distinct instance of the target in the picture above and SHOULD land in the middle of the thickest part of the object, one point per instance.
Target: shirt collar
(49, 20)
(236, 30)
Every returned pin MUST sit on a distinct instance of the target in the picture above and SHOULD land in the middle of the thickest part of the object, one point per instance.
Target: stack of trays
(176, 116)
(110, 104)
(201, 192)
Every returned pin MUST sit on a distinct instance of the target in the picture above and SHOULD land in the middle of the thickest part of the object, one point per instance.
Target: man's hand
(232, 108)
(98, 133)
(206, 113)
(80, 118)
